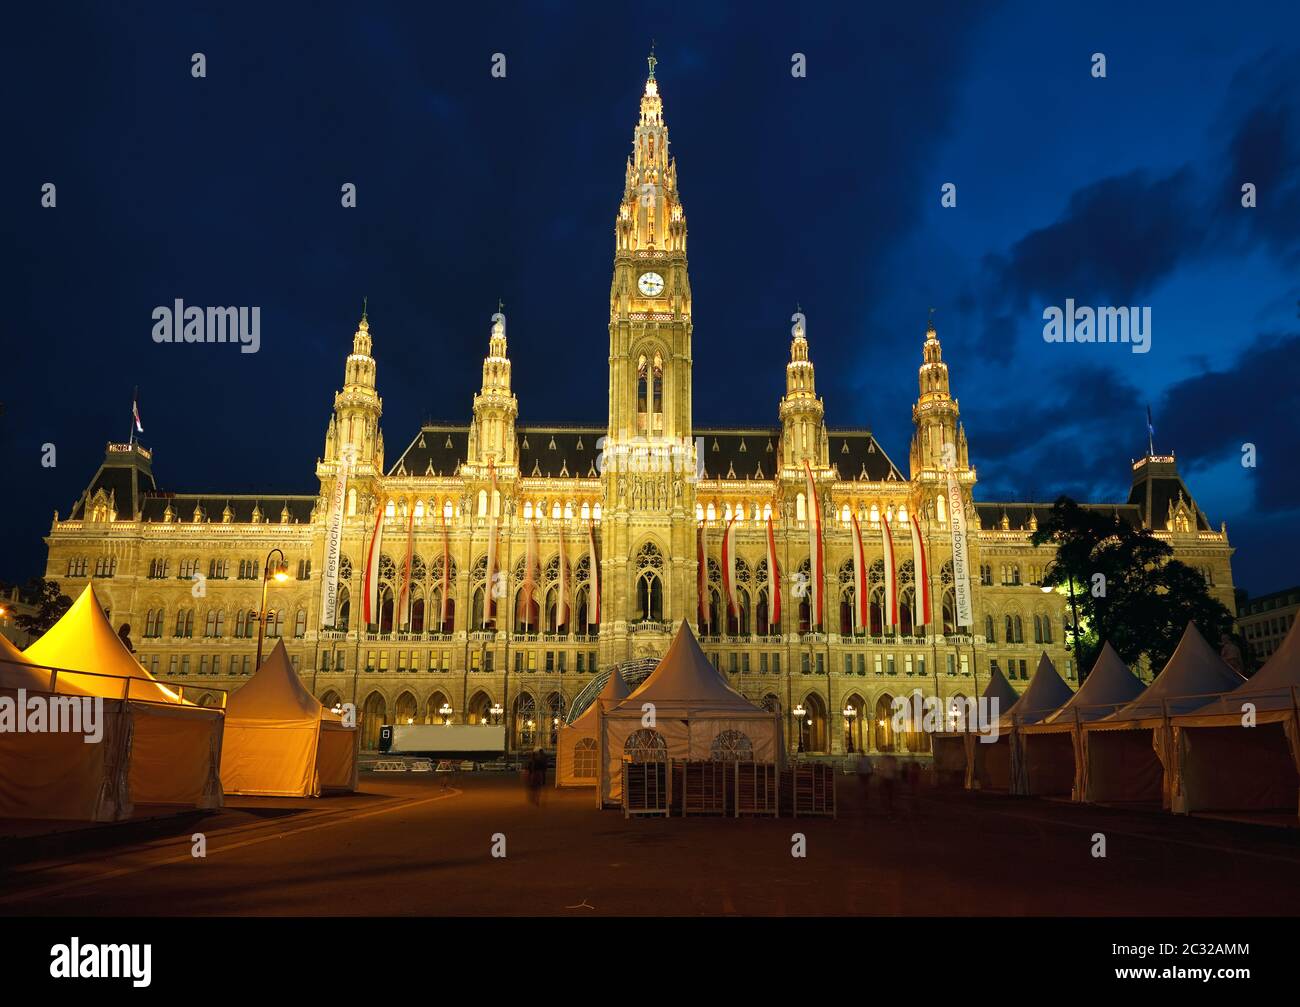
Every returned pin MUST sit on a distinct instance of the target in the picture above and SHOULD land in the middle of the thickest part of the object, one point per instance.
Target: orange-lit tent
(56, 774)
(281, 741)
(577, 747)
(161, 749)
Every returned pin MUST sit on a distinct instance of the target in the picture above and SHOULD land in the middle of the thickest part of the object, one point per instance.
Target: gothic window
(185, 623)
(649, 584)
(989, 636)
(275, 624)
(300, 624)
(344, 612)
(642, 394)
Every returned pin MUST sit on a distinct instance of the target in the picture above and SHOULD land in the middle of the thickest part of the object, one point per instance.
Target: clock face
(651, 284)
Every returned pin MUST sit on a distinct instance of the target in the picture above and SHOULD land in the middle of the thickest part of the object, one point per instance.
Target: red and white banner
(593, 557)
(562, 605)
(921, 571)
(773, 578)
(490, 583)
(815, 558)
(729, 568)
(891, 572)
(446, 576)
(370, 589)
(529, 588)
(702, 573)
(404, 596)
(861, 597)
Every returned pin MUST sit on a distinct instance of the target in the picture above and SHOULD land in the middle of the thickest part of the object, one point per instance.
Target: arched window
(275, 624)
(883, 724)
(345, 611)
(649, 584)
(731, 746)
(300, 624)
(646, 745)
(989, 636)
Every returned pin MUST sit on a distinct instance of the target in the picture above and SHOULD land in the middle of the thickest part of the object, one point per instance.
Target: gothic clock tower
(648, 521)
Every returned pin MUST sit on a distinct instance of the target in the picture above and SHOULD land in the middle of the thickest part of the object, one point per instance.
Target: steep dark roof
(241, 507)
(126, 473)
(753, 454)
(438, 450)
(990, 513)
(1157, 484)
(559, 452)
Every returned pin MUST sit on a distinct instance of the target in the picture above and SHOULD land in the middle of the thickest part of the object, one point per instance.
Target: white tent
(988, 763)
(55, 774)
(950, 746)
(1046, 757)
(1124, 754)
(156, 748)
(1222, 764)
(577, 748)
(280, 741)
(695, 715)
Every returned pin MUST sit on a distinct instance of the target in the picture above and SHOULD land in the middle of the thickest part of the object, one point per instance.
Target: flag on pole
(815, 560)
(593, 556)
(702, 573)
(370, 594)
(861, 597)
(404, 595)
(1151, 433)
(729, 568)
(524, 611)
(921, 568)
(490, 584)
(891, 572)
(773, 578)
(562, 605)
(139, 427)
(446, 575)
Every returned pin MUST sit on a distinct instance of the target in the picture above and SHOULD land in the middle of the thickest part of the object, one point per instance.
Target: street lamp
(799, 713)
(446, 711)
(495, 711)
(849, 713)
(281, 574)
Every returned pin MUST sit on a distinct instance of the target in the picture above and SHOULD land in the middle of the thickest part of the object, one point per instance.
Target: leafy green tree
(50, 604)
(1125, 586)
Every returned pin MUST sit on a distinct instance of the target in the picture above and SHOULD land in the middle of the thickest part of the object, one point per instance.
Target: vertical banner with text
(333, 544)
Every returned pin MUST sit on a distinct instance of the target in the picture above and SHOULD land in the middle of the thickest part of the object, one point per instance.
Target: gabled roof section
(559, 452)
(125, 476)
(1158, 488)
(437, 450)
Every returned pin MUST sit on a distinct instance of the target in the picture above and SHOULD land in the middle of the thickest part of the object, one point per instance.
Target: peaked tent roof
(276, 693)
(614, 691)
(82, 640)
(686, 678)
(1270, 687)
(1194, 672)
(1046, 693)
(1109, 685)
(18, 671)
(1000, 689)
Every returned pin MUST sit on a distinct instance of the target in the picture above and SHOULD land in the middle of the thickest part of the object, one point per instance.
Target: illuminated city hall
(492, 570)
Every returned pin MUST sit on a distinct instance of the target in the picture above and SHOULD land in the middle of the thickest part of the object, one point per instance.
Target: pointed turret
(651, 216)
(354, 428)
(803, 426)
(492, 437)
(939, 442)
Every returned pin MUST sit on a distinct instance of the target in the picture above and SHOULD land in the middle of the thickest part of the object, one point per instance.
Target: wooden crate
(647, 788)
(705, 787)
(756, 789)
(811, 789)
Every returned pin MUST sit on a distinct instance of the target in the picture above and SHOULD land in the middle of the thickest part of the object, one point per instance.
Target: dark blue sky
(822, 190)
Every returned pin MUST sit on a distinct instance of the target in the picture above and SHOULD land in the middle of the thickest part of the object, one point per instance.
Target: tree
(1125, 587)
(50, 604)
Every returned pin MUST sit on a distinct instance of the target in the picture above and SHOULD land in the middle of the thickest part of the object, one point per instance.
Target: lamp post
(849, 713)
(446, 711)
(281, 574)
(799, 713)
